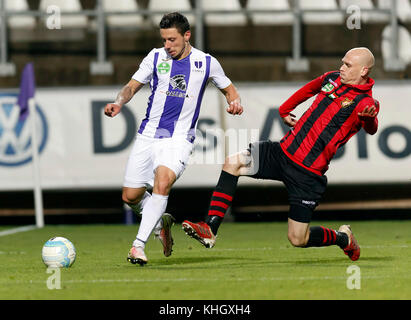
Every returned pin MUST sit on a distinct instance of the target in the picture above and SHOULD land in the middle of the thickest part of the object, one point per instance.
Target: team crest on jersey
(179, 82)
(346, 103)
(198, 67)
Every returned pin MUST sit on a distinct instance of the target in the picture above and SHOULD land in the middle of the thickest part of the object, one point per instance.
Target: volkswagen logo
(15, 135)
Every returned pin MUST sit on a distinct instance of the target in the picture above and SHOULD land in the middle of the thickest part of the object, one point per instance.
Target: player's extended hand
(290, 120)
(368, 113)
(235, 107)
(112, 109)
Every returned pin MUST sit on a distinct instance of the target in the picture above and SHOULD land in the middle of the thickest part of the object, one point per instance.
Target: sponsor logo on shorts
(308, 203)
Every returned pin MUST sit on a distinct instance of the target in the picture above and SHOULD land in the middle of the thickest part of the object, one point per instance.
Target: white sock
(138, 209)
(152, 212)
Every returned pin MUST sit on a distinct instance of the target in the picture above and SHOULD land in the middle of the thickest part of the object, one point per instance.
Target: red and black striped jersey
(329, 123)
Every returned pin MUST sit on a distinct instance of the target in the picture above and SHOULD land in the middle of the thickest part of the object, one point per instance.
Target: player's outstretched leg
(221, 199)
(164, 234)
(137, 255)
(206, 231)
(352, 250)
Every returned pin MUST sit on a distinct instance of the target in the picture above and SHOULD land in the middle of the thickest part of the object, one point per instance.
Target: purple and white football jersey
(177, 89)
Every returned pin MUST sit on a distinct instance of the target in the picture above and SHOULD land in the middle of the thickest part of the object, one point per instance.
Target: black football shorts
(305, 189)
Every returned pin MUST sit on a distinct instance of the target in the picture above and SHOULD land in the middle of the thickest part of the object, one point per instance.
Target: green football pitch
(251, 261)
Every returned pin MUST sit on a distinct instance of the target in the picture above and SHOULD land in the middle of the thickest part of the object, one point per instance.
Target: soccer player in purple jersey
(178, 74)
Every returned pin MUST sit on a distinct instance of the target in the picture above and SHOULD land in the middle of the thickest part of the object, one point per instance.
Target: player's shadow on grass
(319, 261)
(187, 262)
(336, 260)
(385, 258)
(202, 262)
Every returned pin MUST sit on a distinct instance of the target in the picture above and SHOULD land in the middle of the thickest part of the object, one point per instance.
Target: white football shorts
(149, 153)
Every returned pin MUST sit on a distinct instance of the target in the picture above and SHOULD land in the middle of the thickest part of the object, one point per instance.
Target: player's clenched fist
(112, 109)
(289, 120)
(235, 107)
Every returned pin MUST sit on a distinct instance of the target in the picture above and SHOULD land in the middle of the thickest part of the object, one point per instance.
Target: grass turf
(251, 261)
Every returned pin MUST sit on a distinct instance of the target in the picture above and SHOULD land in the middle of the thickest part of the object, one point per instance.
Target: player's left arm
(224, 84)
(368, 116)
(307, 91)
(233, 99)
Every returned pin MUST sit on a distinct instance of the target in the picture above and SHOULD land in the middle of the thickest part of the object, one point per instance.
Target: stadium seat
(123, 20)
(403, 9)
(404, 44)
(320, 17)
(19, 22)
(270, 18)
(170, 6)
(77, 21)
(367, 17)
(223, 19)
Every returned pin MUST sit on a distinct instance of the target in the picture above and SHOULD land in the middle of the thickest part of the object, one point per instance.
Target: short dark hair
(175, 20)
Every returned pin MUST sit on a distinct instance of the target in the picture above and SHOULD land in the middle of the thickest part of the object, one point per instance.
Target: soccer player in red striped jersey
(343, 106)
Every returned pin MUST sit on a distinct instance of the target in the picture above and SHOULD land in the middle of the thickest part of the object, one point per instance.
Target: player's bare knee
(234, 163)
(128, 199)
(297, 240)
(163, 186)
(230, 167)
(131, 197)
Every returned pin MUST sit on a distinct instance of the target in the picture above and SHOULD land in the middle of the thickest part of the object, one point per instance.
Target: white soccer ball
(58, 252)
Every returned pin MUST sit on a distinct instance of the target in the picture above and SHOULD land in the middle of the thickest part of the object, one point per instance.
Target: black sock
(214, 223)
(221, 200)
(322, 237)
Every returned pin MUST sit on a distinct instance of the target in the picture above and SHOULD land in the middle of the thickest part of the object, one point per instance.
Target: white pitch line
(17, 230)
(264, 279)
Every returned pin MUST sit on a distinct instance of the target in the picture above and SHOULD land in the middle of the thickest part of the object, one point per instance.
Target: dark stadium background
(248, 54)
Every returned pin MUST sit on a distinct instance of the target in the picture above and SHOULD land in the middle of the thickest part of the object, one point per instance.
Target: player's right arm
(124, 96)
(142, 76)
(306, 92)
